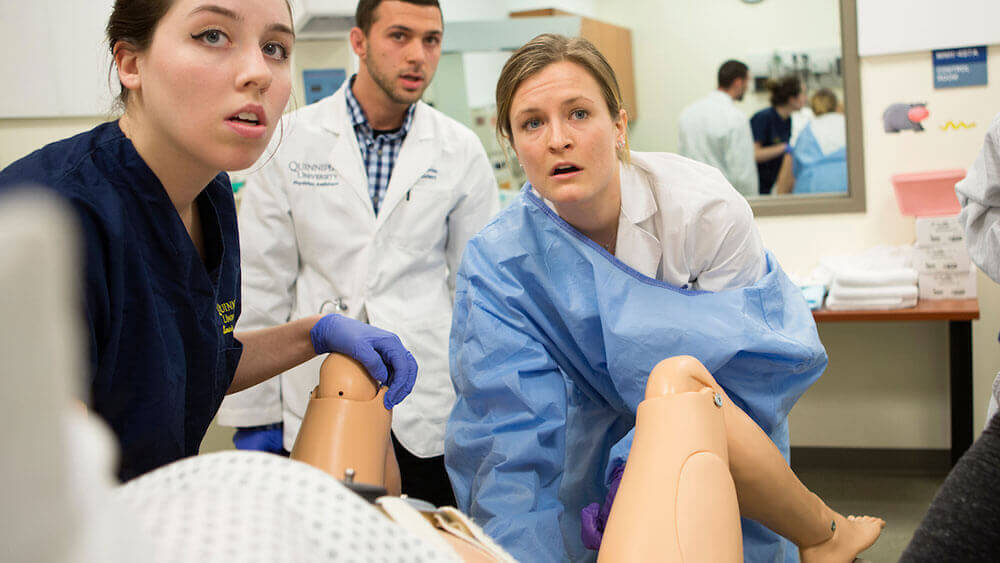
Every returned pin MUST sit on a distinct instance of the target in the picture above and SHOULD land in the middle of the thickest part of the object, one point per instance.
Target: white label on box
(939, 230)
(941, 258)
(947, 286)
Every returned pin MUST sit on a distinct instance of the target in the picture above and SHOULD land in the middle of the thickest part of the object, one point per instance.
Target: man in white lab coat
(364, 209)
(714, 131)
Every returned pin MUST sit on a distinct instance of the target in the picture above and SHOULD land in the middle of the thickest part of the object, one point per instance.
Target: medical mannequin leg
(347, 426)
(676, 501)
(770, 493)
(767, 489)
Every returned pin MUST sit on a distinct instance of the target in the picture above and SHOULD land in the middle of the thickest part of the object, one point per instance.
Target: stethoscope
(338, 304)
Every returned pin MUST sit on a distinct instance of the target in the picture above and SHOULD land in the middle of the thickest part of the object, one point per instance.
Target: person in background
(203, 85)
(817, 159)
(364, 209)
(979, 195)
(802, 117)
(606, 263)
(963, 521)
(772, 129)
(714, 131)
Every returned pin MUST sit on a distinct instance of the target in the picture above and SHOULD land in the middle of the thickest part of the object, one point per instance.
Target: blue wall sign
(320, 83)
(965, 66)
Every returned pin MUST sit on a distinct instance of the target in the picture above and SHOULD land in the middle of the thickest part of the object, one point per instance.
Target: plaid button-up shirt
(378, 149)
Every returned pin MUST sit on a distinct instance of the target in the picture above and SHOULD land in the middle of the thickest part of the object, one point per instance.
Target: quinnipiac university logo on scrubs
(227, 312)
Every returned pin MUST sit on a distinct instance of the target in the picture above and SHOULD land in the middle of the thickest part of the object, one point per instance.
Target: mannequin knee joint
(679, 374)
(342, 376)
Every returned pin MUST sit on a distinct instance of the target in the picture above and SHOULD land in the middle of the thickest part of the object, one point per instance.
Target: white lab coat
(311, 243)
(714, 131)
(683, 224)
(800, 120)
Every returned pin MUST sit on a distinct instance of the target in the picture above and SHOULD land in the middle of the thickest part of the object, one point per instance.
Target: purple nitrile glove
(379, 351)
(266, 438)
(594, 517)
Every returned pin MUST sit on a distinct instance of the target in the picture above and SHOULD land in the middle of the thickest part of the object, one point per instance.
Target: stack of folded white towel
(886, 289)
(880, 278)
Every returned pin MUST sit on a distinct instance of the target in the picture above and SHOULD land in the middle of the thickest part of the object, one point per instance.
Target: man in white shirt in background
(714, 131)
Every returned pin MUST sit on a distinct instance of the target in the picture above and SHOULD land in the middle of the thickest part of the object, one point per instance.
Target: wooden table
(959, 313)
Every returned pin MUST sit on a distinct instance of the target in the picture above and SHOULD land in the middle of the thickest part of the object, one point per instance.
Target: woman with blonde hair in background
(817, 161)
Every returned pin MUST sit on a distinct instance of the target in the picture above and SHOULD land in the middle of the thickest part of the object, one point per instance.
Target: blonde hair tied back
(542, 51)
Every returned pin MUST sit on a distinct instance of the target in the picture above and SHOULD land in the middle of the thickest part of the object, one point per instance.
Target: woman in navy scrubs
(772, 129)
(204, 83)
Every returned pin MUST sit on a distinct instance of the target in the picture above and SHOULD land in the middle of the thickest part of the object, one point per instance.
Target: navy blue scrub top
(769, 129)
(162, 351)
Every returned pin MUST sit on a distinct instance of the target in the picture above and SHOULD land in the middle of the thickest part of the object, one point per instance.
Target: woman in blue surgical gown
(817, 161)
(607, 262)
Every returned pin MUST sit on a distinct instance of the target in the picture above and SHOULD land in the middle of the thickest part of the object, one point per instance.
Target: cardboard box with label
(941, 258)
(939, 230)
(954, 285)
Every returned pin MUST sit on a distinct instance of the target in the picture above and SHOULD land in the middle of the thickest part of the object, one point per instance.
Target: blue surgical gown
(160, 320)
(551, 345)
(815, 171)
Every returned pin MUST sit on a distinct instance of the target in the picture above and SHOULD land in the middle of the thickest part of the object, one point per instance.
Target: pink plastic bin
(927, 194)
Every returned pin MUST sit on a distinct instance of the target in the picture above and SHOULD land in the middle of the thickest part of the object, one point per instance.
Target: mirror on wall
(813, 41)
(822, 170)
(789, 103)
(794, 105)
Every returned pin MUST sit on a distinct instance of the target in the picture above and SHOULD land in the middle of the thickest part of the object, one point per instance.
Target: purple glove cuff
(594, 517)
(591, 530)
(316, 334)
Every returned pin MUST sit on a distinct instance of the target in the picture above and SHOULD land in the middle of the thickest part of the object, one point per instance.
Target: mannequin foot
(853, 535)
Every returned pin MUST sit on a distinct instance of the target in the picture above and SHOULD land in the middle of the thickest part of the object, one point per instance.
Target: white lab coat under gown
(311, 243)
(553, 340)
(714, 131)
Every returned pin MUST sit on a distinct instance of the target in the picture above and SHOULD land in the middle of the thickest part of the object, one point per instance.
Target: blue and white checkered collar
(358, 118)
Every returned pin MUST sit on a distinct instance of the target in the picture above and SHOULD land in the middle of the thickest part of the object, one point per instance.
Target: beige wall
(18, 137)
(317, 55)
